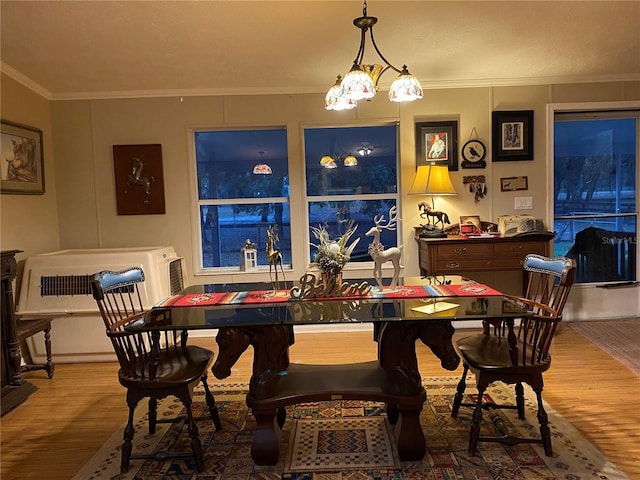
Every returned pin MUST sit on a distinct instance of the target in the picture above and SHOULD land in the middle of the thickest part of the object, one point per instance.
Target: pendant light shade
(335, 100)
(405, 88)
(358, 85)
(262, 168)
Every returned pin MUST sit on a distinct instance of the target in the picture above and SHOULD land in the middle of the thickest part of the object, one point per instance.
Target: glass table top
(333, 310)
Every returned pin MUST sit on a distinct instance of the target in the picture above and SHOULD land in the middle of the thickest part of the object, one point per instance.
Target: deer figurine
(274, 256)
(378, 252)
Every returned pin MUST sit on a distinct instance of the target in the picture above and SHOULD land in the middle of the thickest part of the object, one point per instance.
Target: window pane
(595, 195)
(226, 228)
(226, 159)
(226, 169)
(335, 215)
(595, 166)
(374, 149)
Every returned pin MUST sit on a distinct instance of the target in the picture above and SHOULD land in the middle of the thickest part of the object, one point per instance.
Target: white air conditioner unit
(57, 284)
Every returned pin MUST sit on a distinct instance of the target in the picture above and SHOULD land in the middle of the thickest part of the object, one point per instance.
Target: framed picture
(139, 179)
(512, 135)
(509, 184)
(472, 219)
(437, 142)
(22, 159)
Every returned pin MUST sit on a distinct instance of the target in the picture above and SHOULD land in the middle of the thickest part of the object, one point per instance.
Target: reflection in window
(236, 204)
(595, 205)
(351, 174)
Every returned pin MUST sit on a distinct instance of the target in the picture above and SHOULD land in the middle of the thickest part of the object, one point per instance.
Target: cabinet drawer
(460, 250)
(518, 249)
(479, 264)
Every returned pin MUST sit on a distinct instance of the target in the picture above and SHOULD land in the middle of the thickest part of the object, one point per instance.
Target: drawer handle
(460, 250)
(453, 265)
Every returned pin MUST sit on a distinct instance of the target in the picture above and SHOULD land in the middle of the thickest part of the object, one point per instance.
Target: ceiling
(109, 49)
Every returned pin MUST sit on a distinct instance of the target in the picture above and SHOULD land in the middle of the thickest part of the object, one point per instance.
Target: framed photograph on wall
(512, 135)
(22, 159)
(139, 179)
(437, 142)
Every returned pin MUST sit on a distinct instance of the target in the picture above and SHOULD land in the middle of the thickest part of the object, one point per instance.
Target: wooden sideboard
(15, 389)
(455, 254)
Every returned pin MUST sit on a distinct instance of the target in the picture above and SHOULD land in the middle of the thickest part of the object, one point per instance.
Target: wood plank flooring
(58, 429)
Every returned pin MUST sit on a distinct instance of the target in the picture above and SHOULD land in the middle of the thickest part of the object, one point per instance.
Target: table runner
(284, 296)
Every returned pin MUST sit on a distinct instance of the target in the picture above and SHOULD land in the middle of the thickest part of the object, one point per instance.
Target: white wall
(29, 222)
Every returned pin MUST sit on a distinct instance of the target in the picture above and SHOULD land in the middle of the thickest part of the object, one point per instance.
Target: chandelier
(361, 82)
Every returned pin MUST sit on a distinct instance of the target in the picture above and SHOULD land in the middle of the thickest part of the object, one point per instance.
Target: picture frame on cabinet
(512, 135)
(437, 142)
(22, 157)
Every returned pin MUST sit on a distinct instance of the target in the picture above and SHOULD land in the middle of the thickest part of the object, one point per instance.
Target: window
(243, 188)
(595, 204)
(351, 174)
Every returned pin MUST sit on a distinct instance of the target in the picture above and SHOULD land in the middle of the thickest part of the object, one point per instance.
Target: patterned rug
(352, 440)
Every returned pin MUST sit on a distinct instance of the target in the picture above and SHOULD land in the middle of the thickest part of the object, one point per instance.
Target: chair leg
(520, 400)
(474, 434)
(153, 415)
(543, 420)
(127, 446)
(211, 403)
(196, 446)
(462, 385)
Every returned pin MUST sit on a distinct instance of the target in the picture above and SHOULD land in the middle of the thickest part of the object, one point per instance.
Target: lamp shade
(432, 180)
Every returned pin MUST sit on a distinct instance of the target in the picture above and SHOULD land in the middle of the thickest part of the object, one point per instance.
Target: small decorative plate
(473, 153)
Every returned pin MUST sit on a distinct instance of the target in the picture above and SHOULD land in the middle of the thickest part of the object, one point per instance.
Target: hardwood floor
(58, 429)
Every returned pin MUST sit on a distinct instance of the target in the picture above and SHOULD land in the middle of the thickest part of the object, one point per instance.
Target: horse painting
(136, 178)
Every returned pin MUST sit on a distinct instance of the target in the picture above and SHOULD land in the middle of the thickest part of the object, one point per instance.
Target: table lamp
(432, 180)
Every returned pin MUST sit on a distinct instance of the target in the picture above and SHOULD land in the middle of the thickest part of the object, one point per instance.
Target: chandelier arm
(360, 54)
(389, 65)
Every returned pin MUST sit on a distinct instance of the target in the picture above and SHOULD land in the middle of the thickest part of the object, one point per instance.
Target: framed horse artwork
(437, 142)
(139, 179)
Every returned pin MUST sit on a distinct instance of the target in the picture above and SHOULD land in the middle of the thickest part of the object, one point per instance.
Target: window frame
(590, 110)
(195, 203)
(351, 266)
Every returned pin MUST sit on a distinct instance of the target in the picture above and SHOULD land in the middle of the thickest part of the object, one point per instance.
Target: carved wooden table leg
(265, 448)
(409, 435)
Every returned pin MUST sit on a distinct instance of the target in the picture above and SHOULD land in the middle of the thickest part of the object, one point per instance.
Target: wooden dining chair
(175, 368)
(489, 357)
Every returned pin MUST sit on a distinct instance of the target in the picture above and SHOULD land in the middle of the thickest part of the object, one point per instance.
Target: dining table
(265, 316)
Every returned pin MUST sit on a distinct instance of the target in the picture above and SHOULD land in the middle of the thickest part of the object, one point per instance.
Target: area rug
(325, 440)
(347, 443)
(616, 337)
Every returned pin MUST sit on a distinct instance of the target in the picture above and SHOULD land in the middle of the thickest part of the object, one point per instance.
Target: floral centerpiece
(333, 255)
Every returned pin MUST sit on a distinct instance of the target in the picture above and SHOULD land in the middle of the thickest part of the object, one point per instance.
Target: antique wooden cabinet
(457, 255)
